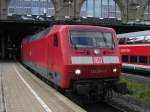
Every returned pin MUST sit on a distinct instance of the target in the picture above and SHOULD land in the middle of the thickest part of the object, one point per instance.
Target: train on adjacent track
(81, 58)
(134, 50)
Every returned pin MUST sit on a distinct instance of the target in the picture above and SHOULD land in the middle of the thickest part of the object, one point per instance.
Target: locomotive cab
(91, 59)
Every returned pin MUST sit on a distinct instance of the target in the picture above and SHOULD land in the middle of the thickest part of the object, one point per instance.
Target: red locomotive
(84, 59)
(134, 49)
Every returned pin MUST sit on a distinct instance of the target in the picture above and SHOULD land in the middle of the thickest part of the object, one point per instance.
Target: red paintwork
(42, 52)
(141, 50)
(136, 50)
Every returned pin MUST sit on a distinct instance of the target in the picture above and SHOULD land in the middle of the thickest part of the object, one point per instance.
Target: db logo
(98, 60)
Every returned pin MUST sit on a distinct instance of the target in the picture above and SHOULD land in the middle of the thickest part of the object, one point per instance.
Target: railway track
(139, 78)
(103, 107)
(113, 105)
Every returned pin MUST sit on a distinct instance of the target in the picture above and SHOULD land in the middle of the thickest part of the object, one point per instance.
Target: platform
(21, 91)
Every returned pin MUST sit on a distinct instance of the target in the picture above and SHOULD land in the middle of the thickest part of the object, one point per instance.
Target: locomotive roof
(59, 27)
(83, 26)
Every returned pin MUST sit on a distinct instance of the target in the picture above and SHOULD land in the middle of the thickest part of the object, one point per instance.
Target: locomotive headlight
(77, 71)
(114, 70)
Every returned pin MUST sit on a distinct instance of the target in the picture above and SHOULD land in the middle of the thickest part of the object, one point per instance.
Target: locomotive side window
(55, 40)
(92, 39)
(143, 59)
(133, 59)
(125, 58)
(122, 41)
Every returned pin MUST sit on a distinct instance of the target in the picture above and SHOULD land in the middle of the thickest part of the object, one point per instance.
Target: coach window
(139, 39)
(133, 59)
(143, 59)
(55, 40)
(147, 39)
(125, 58)
(122, 41)
(130, 40)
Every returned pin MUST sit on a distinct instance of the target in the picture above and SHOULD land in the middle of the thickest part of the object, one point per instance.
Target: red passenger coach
(84, 59)
(134, 49)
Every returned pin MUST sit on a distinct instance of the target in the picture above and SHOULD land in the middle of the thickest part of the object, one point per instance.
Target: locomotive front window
(91, 39)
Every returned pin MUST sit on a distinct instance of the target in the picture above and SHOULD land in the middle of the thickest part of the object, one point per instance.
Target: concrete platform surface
(21, 91)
